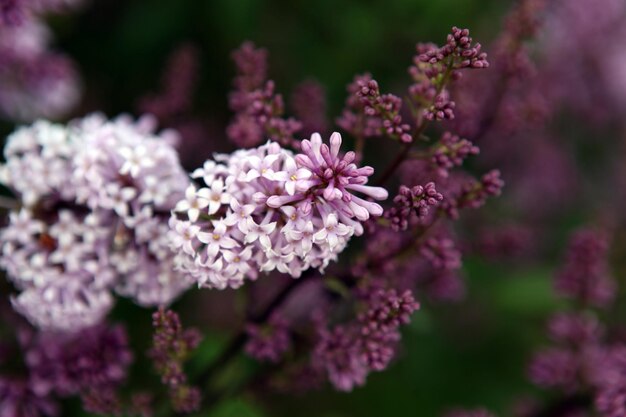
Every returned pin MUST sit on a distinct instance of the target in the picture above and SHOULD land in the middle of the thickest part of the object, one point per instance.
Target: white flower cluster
(261, 210)
(96, 197)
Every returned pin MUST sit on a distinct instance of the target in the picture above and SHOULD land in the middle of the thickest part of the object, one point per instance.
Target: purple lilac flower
(575, 329)
(96, 358)
(270, 341)
(12, 12)
(554, 368)
(472, 193)
(585, 276)
(171, 346)
(386, 107)
(347, 353)
(341, 358)
(434, 66)
(412, 202)
(266, 210)
(96, 198)
(353, 118)
(18, 399)
(258, 109)
(450, 151)
(441, 252)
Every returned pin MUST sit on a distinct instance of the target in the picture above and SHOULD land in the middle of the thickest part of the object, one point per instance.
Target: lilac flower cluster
(412, 202)
(348, 352)
(450, 152)
(267, 209)
(386, 107)
(353, 118)
(96, 197)
(459, 48)
(94, 360)
(585, 276)
(269, 341)
(259, 110)
(433, 66)
(171, 346)
(17, 398)
(34, 82)
(473, 193)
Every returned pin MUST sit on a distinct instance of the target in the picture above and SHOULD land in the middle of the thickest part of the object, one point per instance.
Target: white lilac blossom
(96, 196)
(266, 209)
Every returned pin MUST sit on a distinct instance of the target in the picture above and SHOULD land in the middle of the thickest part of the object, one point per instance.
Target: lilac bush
(318, 244)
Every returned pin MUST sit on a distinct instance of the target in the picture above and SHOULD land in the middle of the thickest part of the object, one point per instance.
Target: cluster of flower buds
(451, 151)
(386, 107)
(409, 202)
(434, 66)
(264, 209)
(473, 193)
(259, 110)
(171, 346)
(348, 352)
(353, 118)
(458, 47)
(96, 197)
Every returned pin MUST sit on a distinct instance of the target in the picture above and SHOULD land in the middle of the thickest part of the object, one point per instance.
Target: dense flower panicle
(96, 196)
(610, 380)
(441, 252)
(337, 354)
(258, 109)
(347, 353)
(585, 276)
(270, 341)
(575, 329)
(171, 346)
(611, 401)
(96, 358)
(251, 65)
(554, 368)
(17, 398)
(264, 209)
(410, 203)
